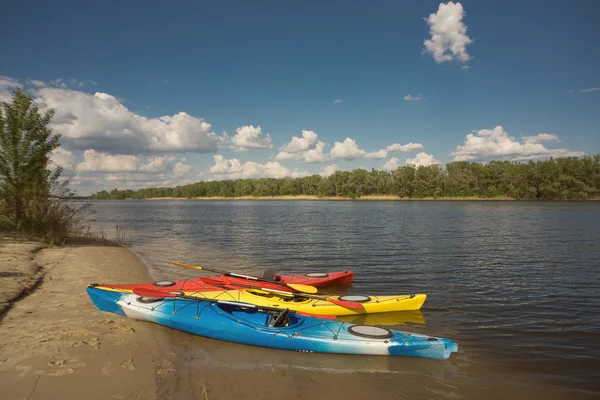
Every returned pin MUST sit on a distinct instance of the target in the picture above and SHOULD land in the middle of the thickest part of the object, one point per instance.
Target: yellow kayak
(370, 304)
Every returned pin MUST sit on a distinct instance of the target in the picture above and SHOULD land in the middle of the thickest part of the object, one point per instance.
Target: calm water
(514, 283)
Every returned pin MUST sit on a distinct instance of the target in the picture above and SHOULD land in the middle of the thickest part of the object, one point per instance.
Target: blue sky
(281, 66)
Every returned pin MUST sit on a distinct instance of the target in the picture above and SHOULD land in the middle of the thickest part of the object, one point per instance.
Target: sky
(151, 93)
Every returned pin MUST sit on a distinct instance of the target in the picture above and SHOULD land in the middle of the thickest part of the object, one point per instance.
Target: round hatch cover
(355, 298)
(164, 283)
(368, 331)
(317, 275)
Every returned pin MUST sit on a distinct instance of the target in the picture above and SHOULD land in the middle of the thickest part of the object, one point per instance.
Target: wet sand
(56, 345)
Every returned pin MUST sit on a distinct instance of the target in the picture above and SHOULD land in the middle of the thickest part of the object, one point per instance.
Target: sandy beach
(57, 345)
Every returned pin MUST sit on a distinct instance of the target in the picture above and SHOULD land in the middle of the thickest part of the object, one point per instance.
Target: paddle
(342, 303)
(144, 292)
(296, 287)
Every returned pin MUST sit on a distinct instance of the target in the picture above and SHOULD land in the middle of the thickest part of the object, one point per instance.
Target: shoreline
(318, 198)
(56, 344)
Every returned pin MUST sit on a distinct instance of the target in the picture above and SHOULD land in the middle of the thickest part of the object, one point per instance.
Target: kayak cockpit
(263, 319)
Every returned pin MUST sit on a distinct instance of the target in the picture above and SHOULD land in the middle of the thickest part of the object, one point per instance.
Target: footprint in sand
(128, 365)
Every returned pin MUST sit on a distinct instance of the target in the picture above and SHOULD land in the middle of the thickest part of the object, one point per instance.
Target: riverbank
(362, 198)
(333, 198)
(56, 344)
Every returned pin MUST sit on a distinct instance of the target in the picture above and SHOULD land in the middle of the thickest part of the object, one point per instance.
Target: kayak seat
(279, 320)
(269, 274)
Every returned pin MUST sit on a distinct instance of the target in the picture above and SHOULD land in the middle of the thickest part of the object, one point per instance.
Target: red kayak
(228, 282)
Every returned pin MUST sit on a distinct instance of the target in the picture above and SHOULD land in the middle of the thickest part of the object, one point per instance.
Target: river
(514, 283)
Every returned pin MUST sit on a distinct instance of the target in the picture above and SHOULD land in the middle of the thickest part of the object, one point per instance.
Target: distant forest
(570, 178)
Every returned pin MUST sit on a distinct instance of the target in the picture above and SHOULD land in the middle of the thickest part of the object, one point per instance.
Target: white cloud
(542, 137)
(101, 122)
(234, 169)
(589, 90)
(249, 138)
(180, 169)
(449, 38)
(493, 144)
(157, 164)
(93, 82)
(94, 161)
(337, 102)
(349, 150)
(404, 147)
(297, 144)
(7, 85)
(422, 160)
(59, 83)
(408, 97)
(391, 164)
(307, 148)
(63, 158)
(36, 83)
(465, 67)
(328, 170)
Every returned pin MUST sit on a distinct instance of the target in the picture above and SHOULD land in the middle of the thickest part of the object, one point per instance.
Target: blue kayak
(280, 329)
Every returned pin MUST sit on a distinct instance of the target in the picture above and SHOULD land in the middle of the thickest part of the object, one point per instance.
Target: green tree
(26, 142)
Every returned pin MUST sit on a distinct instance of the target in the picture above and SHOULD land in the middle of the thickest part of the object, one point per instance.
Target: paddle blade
(140, 291)
(343, 303)
(182, 265)
(303, 288)
(330, 317)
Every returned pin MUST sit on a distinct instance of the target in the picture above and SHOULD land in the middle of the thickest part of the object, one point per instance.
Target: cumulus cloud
(297, 144)
(449, 38)
(101, 122)
(404, 147)
(99, 162)
(542, 137)
(349, 150)
(7, 86)
(235, 169)
(180, 169)
(94, 161)
(328, 170)
(65, 159)
(490, 144)
(249, 138)
(35, 82)
(307, 148)
(391, 164)
(422, 160)
(408, 97)
(157, 164)
(59, 83)
(337, 102)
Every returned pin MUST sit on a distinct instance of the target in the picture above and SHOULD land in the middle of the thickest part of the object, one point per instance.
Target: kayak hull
(375, 304)
(201, 284)
(248, 326)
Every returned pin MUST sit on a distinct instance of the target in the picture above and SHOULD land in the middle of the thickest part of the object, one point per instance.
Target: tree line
(569, 178)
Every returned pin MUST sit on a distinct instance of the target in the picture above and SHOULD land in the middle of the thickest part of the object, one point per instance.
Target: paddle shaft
(343, 303)
(297, 287)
